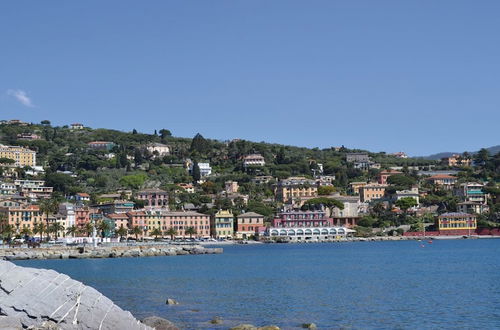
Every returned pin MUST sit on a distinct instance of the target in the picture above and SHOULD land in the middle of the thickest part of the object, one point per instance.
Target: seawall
(66, 252)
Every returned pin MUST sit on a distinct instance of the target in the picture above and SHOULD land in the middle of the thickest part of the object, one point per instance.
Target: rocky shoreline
(65, 252)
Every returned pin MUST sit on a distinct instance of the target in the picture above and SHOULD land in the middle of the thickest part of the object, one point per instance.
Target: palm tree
(156, 232)
(136, 231)
(88, 229)
(48, 206)
(172, 232)
(25, 232)
(39, 228)
(190, 231)
(103, 227)
(55, 228)
(72, 230)
(7, 232)
(122, 231)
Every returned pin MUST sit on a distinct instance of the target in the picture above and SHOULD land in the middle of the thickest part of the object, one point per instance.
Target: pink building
(294, 219)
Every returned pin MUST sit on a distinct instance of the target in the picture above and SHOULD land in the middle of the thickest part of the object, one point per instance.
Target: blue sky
(415, 76)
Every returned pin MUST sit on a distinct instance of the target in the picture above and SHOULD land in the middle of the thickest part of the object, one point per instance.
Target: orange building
(248, 223)
(24, 216)
(372, 191)
(384, 175)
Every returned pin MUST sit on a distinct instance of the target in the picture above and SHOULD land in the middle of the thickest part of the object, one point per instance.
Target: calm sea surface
(446, 284)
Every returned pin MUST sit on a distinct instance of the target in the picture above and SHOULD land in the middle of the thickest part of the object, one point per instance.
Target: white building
(254, 160)
(158, 149)
(413, 193)
(205, 169)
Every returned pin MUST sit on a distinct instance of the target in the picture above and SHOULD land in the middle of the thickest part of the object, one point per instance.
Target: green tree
(196, 174)
(103, 227)
(48, 207)
(25, 232)
(325, 190)
(72, 231)
(199, 144)
(325, 201)
(55, 228)
(190, 231)
(136, 231)
(406, 203)
(39, 228)
(156, 232)
(171, 232)
(122, 231)
(7, 232)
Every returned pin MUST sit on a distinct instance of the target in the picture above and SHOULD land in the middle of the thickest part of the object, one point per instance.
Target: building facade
(295, 188)
(21, 156)
(372, 192)
(248, 224)
(223, 224)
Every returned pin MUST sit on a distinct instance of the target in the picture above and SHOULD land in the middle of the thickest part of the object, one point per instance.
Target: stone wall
(103, 252)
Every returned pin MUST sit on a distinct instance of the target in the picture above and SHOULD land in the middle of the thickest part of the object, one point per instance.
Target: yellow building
(457, 221)
(296, 188)
(223, 224)
(21, 156)
(372, 191)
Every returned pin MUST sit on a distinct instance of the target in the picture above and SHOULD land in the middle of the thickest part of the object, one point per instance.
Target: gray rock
(269, 327)
(216, 320)
(10, 323)
(172, 302)
(309, 326)
(159, 323)
(244, 327)
(45, 299)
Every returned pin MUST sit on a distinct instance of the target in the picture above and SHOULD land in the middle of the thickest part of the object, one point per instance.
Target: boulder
(46, 299)
(269, 327)
(172, 302)
(216, 320)
(244, 327)
(309, 326)
(159, 323)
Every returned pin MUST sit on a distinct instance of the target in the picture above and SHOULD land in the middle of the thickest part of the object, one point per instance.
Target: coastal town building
(372, 191)
(305, 225)
(472, 208)
(294, 189)
(28, 137)
(158, 149)
(456, 160)
(117, 206)
(365, 166)
(222, 224)
(412, 193)
(21, 156)
(231, 187)
(154, 198)
(262, 179)
(23, 216)
(354, 187)
(384, 175)
(188, 187)
(350, 214)
(472, 192)
(444, 181)
(101, 145)
(254, 160)
(248, 224)
(357, 157)
(76, 126)
(457, 222)
(400, 154)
